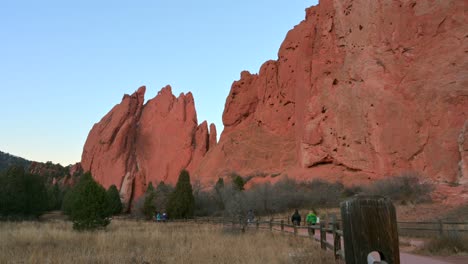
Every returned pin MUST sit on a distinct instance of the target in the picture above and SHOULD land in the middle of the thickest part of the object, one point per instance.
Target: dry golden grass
(146, 242)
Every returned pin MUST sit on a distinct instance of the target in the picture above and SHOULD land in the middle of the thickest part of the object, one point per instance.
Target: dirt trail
(405, 258)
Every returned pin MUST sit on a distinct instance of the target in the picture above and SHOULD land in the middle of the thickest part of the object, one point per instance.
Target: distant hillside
(6, 160)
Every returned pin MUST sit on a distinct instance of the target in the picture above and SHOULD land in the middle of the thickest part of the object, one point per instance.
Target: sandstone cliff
(361, 89)
(137, 143)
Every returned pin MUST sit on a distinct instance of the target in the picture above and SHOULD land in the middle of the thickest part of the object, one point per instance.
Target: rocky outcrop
(361, 89)
(137, 143)
(56, 173)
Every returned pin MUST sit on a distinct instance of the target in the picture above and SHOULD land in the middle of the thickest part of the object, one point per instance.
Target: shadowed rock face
(361, 89)
(137, 143)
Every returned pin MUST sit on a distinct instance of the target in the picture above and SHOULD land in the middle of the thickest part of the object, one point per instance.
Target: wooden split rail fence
(375, 215)
(325, 227)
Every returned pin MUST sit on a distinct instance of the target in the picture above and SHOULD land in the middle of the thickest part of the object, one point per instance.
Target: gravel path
(405, 258)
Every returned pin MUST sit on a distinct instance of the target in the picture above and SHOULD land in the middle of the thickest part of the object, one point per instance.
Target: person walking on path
(311, 219)
(250, 217)
(158, 217)
(296, 218)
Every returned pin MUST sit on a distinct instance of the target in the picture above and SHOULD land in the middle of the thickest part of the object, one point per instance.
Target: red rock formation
(56, 173)
(137, 143)
(213, 136)
(76, 169)
(361, 89)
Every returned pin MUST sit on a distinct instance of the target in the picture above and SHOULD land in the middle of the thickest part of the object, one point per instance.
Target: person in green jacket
(311, 219)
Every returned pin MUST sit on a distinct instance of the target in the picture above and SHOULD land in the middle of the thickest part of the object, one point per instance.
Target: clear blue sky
(64, 65)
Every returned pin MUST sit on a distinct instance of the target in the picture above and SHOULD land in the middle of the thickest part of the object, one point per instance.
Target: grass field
(147, 242)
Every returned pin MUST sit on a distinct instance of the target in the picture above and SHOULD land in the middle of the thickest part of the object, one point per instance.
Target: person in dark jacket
(250, 217)
(296, 218)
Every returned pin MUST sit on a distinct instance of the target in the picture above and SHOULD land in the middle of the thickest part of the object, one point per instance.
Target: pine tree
(115, 204)
(148, 206)
(163, 191)
(219, 184)
(150, 188)
(88, 204)
(181, 202)
(238, 183)
(22, 195)
(54, 197)
(219, 191)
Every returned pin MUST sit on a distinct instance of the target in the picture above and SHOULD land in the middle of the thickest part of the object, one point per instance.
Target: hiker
(311, 219)
(164, 217)
(250, 216)
(158, 217)
(296, 218)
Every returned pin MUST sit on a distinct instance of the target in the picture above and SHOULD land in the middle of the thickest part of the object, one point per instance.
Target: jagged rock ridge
(137, 143)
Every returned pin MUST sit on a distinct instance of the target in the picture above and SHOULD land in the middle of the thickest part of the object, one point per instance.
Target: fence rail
(409, 228)
(324, 228)
(328, 225)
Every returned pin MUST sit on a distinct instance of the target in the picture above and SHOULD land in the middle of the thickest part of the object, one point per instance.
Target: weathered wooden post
(257, 224)
(441, 228)
(336, 237)
(323, 236)
(282, 225)
(336, 241)
(271, 224)
(370, 226)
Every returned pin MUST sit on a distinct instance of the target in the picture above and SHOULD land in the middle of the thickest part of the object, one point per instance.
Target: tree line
(25, 196)
(90, 206)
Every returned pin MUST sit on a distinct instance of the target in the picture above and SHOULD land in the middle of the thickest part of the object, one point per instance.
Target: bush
(163, 191)
(448, 244)
(238, 182)
(353, 190)
(181, 203)
(323, 194)
(67, 201)
(267, 198)
(54, 197)
(404, 188)
(22, 195)
(115, 204)
(148, 206)
(206, 204)
(87, 204)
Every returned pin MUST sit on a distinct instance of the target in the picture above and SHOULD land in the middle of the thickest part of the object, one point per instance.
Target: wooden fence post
(323, 236)
(336, 237)
(271, 224)
(370, 226)
(441, 228)
(257, 224)
(282, 225)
